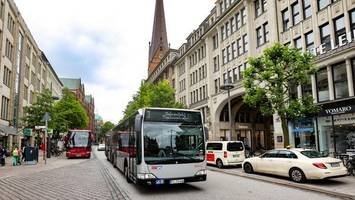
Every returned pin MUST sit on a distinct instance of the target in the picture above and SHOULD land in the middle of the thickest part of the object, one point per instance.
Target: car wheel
(297, 175)
(248, 168)
(219, 163)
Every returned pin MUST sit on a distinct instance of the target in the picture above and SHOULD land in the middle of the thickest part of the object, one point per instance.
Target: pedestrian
(2, 156)
(19, 156)
(15, 155)
(24, 153)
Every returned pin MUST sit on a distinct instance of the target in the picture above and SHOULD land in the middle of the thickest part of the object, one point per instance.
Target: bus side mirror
(138, 123)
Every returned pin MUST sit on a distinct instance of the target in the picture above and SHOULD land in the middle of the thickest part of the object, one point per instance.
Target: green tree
(269, 79)
(33, 114)
(104, 129)
(152, 95)
(69, 113)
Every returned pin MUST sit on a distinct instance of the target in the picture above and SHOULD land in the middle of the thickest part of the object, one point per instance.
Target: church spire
(159, 42)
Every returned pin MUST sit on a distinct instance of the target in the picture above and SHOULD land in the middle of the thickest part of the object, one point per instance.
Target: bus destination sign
(172, 116)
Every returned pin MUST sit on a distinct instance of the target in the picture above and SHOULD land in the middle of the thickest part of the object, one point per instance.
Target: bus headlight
(145, 176)
(201, 172)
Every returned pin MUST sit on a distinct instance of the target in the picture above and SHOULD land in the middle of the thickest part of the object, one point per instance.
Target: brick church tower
(158, 46)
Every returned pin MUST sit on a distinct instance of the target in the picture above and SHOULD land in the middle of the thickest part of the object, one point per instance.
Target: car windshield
(312, 154)
(171, 143)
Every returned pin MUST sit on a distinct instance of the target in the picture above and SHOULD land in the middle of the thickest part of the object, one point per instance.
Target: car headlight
(145, 176)
(201, 172)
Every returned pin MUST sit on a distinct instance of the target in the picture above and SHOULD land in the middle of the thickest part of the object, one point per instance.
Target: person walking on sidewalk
(23, 158)
(19, 156)
(15, 156)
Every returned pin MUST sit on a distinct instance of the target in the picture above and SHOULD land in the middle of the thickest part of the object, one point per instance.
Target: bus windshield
(79, 139)
(173, 143)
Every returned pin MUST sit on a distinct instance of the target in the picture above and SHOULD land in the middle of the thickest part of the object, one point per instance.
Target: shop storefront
(9, 137)
(336, 127)
(303, 134)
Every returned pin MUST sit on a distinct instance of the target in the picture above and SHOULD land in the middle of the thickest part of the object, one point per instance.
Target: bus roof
(175, 109)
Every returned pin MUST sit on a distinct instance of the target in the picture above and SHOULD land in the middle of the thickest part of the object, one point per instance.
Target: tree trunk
(285, 131)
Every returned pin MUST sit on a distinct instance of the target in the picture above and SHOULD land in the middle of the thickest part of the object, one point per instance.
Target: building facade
(24, 70)
(327, 29)
(99, 122)
(90, 109)
(217, 52)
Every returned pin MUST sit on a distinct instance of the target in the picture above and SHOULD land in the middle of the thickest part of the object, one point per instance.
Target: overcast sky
(106, 42)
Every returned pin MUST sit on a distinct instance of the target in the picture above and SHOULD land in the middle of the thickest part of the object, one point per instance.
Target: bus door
(132, 154)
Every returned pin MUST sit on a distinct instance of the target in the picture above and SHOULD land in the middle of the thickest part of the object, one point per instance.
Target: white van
(225, 153)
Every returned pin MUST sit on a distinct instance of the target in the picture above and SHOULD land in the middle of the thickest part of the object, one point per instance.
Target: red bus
(78, 143)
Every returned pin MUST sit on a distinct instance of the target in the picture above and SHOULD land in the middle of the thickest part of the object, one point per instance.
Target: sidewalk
(341, 187)
(54, 162)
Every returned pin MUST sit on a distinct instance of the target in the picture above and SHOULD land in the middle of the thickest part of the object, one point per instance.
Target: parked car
(225, 153)
(298, 164)
(101, 147)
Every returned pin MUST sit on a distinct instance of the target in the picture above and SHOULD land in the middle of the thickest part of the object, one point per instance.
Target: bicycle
(56, 151)
(350, 165)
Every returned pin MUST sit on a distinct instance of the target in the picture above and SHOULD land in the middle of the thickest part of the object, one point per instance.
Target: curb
(288, 184)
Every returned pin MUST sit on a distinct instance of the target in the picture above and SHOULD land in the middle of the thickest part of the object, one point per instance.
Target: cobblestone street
(84, 180)
(96, 178)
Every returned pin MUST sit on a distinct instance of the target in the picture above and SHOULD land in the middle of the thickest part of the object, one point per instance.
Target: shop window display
(304, 135)
(337, 134)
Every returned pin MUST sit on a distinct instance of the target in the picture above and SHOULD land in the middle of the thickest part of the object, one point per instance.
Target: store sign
(342, 41)
(303, 130)
(338, 110)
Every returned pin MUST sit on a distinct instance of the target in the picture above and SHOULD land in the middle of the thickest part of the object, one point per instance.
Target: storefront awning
(7, 130)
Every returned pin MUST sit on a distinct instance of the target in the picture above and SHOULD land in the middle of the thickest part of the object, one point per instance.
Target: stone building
(216, 52)
(24, 70)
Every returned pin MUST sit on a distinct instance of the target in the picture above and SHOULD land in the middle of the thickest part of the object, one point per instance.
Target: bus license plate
(177, 181)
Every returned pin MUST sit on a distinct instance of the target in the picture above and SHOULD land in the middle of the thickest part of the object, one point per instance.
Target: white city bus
(160, 146)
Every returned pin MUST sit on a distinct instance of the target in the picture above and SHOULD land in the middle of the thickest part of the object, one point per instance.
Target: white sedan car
(101, 147)
(298, 164)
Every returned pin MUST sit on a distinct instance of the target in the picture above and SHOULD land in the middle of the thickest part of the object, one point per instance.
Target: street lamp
(228, 86)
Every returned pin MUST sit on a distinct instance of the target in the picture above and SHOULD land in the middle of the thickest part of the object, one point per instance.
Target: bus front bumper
(172, 181)
(78, 154)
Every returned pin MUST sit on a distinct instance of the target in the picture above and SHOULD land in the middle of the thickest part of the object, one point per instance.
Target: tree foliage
(65, 114)
(34, 113)
(270, 78)
(69, 113)
(107, 126)
(152, 95)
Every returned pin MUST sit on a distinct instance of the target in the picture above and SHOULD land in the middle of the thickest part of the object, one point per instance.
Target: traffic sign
(46, 117)
(40, 127)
